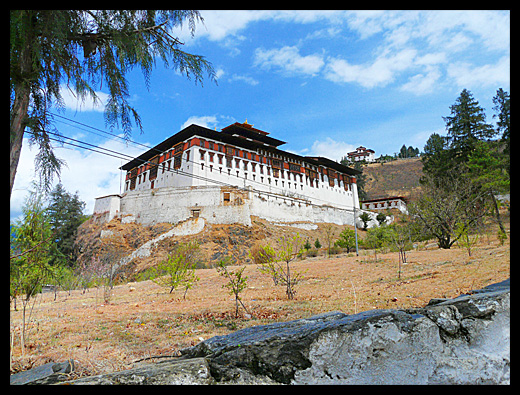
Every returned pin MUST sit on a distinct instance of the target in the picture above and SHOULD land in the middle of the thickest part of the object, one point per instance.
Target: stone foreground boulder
(465, 340)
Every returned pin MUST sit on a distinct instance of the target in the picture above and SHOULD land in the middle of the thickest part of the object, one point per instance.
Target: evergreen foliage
(65, 212)
(466, 167)
(82, 50)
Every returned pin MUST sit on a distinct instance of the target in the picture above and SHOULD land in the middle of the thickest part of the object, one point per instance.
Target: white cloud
(288, 59)
(369, 75)
(366, 23)
(208, 121)
(72, 102)
(408, 41)
(248, 80)
(330, 148)
(439, 28)
(438, 37)
(431, 59)
(90, 173)
(421, 84)
(466, 75)
(492, 28)
(220, 25)
(219, 72)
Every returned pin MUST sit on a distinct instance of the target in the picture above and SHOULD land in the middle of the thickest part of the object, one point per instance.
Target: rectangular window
(177, 161)
(294, 167)
(178, 148)
(154, 164)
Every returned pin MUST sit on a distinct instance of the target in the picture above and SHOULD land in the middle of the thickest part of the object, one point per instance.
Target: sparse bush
(258, 255)
(381, 218)
(377, 238)
(335, 250)
(179, 269)
(466, 240)
(347, 239)
(312, 252)
(290, 248)
(365, 217)
(236, 282)
(502, 237)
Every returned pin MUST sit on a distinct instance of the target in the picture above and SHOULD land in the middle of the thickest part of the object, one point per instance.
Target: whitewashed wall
(108, 206)
(178, 204)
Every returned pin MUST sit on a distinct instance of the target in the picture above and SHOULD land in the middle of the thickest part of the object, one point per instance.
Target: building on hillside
(393, 202)
(227, 176)
(361, 153)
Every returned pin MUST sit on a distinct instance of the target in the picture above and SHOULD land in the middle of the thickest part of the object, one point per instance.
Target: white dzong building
(228, 176)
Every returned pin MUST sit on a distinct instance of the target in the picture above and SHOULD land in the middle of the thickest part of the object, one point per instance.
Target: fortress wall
(225, 205)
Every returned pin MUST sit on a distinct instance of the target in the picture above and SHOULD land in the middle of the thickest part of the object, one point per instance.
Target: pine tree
(65, 213)
(80, 50)
(503, 109)
(466, 126)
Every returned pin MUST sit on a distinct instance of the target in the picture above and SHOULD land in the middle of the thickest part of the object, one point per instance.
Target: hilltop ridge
(396, 178)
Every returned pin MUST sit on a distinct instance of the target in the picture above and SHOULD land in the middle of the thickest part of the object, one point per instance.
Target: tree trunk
(289, 285)
(19, 111)
(499, 220)
(18, 120)
(444, 243)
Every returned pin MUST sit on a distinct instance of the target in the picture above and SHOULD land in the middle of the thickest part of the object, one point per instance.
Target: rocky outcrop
(51, 372)
(464, 340)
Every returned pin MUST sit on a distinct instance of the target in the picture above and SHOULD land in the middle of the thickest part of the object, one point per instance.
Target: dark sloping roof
(238, 141)
(321, 161)
(249, 132)
(383, 199)
(184, 135)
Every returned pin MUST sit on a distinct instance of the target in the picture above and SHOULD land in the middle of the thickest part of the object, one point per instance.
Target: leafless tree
(449, 206)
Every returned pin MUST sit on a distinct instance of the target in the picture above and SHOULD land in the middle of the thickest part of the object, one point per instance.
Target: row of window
(276, 172)
(229, 154)
(380, 205)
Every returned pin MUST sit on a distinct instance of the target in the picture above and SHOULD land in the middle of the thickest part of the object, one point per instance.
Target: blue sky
(324, 81)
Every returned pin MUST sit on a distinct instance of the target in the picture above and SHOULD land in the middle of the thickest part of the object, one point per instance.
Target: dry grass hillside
(396, 178)
(143, 320)
(118, 240)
